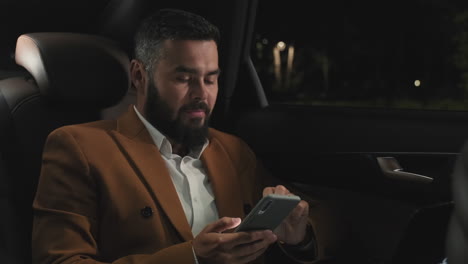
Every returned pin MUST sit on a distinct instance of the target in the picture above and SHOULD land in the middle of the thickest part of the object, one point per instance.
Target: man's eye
(210, 80)
(183, 79)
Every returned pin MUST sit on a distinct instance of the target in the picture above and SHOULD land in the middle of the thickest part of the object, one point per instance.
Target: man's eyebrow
(184, 69)
(215, 72)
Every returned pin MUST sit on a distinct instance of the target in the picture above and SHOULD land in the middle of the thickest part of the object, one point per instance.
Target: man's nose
(198, 90)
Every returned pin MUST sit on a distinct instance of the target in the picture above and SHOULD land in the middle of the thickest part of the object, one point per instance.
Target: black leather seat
(73, 77)
(457, 235)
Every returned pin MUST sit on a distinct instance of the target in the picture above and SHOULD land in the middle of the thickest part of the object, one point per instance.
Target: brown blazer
(98, 178)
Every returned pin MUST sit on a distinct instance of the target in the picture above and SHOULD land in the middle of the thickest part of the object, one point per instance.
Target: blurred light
(265, 41)
(281, 45)
(417, 83)
(289, 65)
(277, 63)
(259, 46)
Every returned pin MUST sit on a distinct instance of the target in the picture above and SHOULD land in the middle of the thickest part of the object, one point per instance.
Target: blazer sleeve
(65, 224)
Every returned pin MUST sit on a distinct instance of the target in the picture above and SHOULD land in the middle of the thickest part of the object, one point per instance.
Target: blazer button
(146, 212)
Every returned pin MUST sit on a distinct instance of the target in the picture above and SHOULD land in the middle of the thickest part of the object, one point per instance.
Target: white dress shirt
(190, 180)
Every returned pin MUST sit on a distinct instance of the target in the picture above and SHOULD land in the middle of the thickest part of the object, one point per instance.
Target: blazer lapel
(224, 182)
(141, 151)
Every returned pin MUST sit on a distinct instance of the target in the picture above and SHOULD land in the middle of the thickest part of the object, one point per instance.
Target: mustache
(196, 106)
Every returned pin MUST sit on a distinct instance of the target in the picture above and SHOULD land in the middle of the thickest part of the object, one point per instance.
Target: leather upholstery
(75, 69)
(73, 77)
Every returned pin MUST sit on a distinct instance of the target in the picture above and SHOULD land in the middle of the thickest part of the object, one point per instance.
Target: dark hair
(170, 24)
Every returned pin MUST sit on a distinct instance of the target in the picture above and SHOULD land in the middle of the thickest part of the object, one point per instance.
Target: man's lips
(196, 113)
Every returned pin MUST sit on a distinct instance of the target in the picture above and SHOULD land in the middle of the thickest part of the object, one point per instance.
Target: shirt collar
(163, 144)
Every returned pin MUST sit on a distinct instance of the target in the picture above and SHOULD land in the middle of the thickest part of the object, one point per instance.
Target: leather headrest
(75, 69)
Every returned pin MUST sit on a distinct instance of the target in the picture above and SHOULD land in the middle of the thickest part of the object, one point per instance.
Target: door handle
(392, 169)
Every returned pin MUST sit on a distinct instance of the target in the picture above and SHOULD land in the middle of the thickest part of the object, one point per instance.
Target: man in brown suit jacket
(157, 185)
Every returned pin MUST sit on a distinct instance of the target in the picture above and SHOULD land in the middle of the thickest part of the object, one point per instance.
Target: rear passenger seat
(70, 78)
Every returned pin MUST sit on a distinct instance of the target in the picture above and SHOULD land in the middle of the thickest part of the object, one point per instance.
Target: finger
(268, 190)
(300, 211)
(297, 216)
(222, 224)
(206, 242)
(224, 241)
(253, 247)
(280, 189)
(240, 238)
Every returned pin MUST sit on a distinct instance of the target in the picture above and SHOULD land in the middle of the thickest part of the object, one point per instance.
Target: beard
(160, 115)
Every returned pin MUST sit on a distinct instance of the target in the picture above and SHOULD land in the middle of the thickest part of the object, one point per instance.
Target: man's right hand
(211, 246)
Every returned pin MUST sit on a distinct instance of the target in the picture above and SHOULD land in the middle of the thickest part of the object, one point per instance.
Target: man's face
(182, 93)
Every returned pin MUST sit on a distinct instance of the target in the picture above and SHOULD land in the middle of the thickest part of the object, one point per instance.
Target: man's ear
(138, 76)
(139, 83)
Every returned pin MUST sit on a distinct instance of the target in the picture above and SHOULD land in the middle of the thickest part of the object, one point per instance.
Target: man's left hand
(293, 229)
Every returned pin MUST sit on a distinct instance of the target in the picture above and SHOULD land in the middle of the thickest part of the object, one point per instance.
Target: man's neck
(177, 148)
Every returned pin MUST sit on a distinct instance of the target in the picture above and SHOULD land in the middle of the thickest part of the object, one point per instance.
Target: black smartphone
(269, 212)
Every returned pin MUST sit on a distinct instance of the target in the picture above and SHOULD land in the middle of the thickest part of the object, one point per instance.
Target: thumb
(222, 224)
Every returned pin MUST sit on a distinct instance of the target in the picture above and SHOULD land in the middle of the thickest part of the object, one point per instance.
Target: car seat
(72, 78)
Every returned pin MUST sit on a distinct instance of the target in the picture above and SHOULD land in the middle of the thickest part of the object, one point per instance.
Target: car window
(391, 54)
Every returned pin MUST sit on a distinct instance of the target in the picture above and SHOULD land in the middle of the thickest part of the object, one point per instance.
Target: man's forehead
(196, 71)
(189, 56)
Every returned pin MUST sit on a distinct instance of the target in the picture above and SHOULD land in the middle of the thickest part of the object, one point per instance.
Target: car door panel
(331, 157)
